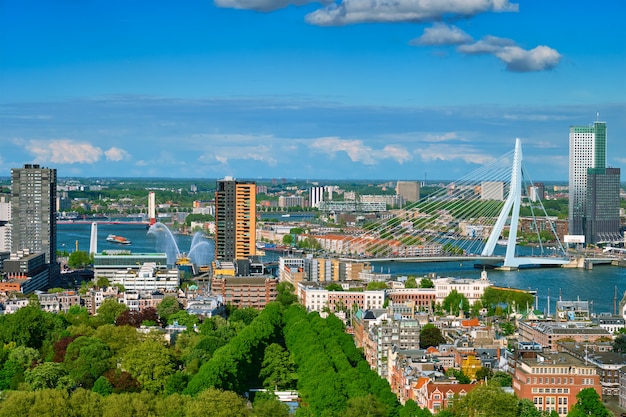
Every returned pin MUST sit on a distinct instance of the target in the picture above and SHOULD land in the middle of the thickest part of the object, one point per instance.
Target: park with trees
(76, 364)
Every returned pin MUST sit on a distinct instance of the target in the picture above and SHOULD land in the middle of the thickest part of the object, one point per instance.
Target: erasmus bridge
(463, 221)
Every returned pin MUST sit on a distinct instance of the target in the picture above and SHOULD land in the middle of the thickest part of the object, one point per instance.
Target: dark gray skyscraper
(602, 208)
(33, 210)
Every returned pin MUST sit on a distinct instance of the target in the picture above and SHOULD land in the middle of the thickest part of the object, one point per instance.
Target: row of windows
(550, 390)
(550, 381)
(563, 370)
(549, 400)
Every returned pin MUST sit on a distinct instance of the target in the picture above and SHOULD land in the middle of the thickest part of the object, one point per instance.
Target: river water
(597, 285)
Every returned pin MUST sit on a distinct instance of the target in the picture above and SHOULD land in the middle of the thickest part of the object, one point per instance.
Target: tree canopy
(430, 335)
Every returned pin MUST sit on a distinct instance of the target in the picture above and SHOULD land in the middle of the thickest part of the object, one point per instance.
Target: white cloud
(386, 11)
(356, 150)
(488, 45)
(441, 34)
(398, 153)
(264, 5)
(540, 58)
(448, 136)
(64, 151)
(224, 148)
(444, 152)
(116, 154)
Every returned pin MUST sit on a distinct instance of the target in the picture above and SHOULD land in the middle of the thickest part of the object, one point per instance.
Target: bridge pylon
(511, 207)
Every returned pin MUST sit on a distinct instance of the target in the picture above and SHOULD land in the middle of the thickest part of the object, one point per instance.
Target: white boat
(118, 239)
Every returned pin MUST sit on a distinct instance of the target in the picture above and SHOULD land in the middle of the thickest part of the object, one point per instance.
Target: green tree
(25, 356)
(30, 326)
(277, 368)
(86, 359)
(288, 240)
(486, 400)
(267, 405)
(502, 379)
(484, 373)
(619, 344)
(377, 285)
(507, 328)
(430, 335)
(151, 363)
(285, 294)
(11, 375)
(103, 282)
(102, 386)
(79, 259)
(459, 375)
(45, 375)
(244, 315)
(589, 403)
(411, 409)
(216, 403)
(367, 406)
(168, 306)
(410, 282)
(110, 310)
(183, 318)
(427, 283)
(454, 302)
(526, 408)
(334, 287)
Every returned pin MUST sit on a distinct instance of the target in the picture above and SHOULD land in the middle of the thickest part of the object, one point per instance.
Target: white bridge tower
(512, 206)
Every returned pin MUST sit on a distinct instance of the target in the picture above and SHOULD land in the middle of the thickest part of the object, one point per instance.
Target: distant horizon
(296, 179)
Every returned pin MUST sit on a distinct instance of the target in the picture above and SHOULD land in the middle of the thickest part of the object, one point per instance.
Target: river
(597, 285)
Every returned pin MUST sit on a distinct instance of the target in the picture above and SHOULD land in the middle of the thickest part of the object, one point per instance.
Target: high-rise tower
(587, 149)
(33, 210)
(591, 184)
(235, 219)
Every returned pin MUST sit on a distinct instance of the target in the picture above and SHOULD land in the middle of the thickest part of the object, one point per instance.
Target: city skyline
(297, 89)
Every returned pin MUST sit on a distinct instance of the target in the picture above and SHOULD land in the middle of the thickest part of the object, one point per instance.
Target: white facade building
(472, 289)
(147, 278)
(316, 196)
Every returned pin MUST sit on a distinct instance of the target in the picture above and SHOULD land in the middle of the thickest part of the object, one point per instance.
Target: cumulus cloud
(488, 45)
(398, 153)
(265, 5)
(445, 152)
(223, 148)
(540, 58)
(517, 59)
(64, 151)
(441, 34)
(384, 11)
(116, 154)
(357, 151)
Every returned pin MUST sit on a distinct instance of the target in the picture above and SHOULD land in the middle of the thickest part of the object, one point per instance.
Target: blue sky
(363, 89)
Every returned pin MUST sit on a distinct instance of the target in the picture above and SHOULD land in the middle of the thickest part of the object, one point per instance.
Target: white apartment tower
(587, 149)
(316, 196)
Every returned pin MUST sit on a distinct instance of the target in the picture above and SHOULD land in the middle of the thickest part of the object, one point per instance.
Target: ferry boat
(118, 239)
